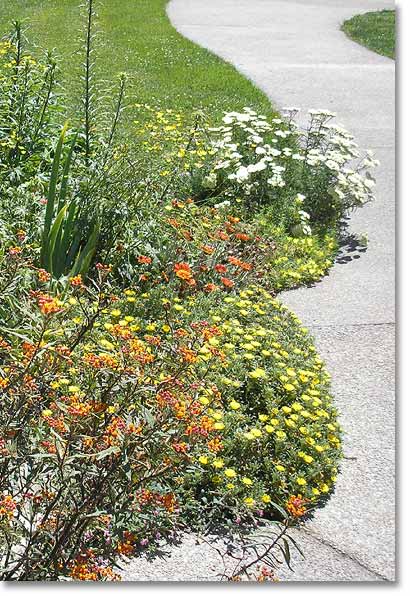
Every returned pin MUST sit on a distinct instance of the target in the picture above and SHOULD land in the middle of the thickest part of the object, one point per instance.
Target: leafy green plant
(28, 102)
(61, 250)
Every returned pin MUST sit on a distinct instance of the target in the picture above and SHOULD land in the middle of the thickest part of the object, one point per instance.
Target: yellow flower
(74, 389)
(230, 485)
(249, 436)
(234, 405)
(219, 426)
(247, 481)
(269, 428)
(249, 501)
(256, 432)
(289, 387)
(230, 473)
(258, 373)
(107, 344)
(266, 498)
(116, 312)
(301, 481)
(324, 488)
(204, 400)
(280, 468)
(308, 459)
(203, 459)
(216, 415)
(280, 435)
(46, 413)
(218, 463)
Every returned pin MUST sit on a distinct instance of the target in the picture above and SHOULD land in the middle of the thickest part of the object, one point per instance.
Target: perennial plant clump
(150, 379)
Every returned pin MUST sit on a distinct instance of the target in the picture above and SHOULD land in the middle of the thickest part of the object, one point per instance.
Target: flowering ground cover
(375, 30)
(150, 380)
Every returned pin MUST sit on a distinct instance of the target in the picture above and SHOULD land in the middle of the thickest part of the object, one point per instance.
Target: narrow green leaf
(66, 171)
(51, 196)
(84, 258)
(54, 232)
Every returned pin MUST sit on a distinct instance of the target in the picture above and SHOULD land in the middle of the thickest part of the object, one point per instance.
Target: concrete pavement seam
(342, 552)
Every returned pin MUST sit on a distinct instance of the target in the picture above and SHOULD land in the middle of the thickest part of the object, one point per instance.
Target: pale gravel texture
(294, 50)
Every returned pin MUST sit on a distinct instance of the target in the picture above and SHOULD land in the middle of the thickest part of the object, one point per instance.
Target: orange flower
(183, 271)
(169, 502)
(215, 445)
(242, 237)
(228, 283)
(180, 447)
(207, 249)
(219, 268)
(76, 281)
(210, 288)
(7, 506)
(188, 355)
(15, 250)
(296, 506)
(43, 275)
(245, 266)
(144, 260)
(47, 304)
(126, 546)
(240, 264)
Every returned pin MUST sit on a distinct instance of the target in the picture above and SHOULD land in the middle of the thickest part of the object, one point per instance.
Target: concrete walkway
(294, 50)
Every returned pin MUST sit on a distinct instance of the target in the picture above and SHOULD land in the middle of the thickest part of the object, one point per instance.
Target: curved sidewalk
(294, 50)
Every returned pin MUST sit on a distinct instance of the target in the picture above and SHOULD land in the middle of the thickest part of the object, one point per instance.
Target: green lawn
(375, 30)
(166, 70)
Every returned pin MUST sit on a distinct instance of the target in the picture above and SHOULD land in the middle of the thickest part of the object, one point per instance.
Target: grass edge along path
(374, 30)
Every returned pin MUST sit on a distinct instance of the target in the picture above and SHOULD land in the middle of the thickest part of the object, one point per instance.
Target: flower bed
(150, 379)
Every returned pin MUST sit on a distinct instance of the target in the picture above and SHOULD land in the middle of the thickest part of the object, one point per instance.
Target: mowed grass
(165, 69)
(375, 30)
